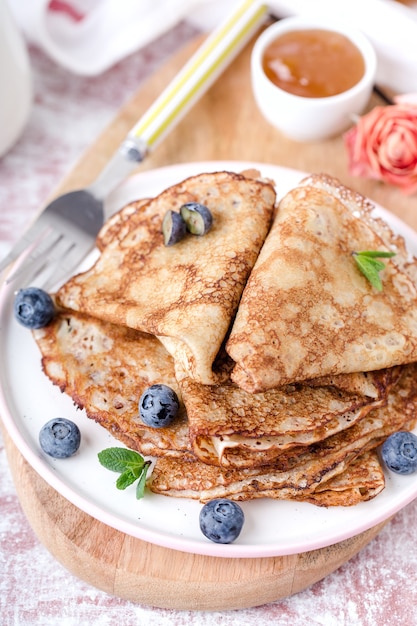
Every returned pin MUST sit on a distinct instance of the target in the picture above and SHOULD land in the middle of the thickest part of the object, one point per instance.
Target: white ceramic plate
(28, 400)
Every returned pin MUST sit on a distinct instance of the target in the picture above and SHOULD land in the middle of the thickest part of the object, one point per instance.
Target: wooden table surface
(374, 587)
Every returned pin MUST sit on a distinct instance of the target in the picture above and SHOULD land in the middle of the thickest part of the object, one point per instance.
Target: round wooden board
(224, 125)
(141, 572)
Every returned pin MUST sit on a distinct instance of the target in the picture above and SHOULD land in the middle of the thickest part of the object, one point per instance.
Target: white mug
(15, 81)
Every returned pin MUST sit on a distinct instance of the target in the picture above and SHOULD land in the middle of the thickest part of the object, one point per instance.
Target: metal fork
(65, 231)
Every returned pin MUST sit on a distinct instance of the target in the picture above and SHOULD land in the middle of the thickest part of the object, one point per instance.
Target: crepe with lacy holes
(105, 369)
(307, 310)
(303, 473)
(361, 481)
(188, 293)
(119, 224)
(230, 427)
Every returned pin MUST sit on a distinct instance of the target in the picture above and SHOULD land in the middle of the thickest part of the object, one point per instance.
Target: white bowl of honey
(310, 78)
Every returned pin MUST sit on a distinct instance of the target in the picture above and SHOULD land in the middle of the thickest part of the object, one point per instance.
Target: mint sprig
(129, 464)
(368, 263)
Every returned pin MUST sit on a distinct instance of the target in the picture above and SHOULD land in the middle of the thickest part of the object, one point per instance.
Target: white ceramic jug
(15, 81)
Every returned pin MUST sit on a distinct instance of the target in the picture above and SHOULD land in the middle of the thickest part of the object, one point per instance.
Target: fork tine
(67, 261)
(20, 246)
(54, 250)
(28, 274)
(58, 264)
(31, 238)
(72, 257)
(51, 267)
(49, 239)
(36, 259)
(58, 272)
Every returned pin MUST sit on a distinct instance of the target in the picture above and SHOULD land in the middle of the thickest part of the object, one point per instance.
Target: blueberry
(221, 520)
(197, 218)
(33, 307)
(399, 452)
(60, 438)
(173, 228)
(158, 406)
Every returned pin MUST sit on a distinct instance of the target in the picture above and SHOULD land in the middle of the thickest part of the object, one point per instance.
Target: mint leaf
(140, 487)
(119, 459)
(368, 264)
(376, 254)
(129, 464)
(125, 479)
(368, 269)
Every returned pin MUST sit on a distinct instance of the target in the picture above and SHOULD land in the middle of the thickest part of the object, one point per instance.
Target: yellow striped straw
(203, 68)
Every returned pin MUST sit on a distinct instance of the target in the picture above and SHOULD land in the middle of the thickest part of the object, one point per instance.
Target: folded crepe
(361, 481)
(188, 293)
(230, 427)
(299, 473)
(307, 311)
(105, 368)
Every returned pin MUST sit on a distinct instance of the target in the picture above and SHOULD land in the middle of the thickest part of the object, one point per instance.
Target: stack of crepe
(291, 368)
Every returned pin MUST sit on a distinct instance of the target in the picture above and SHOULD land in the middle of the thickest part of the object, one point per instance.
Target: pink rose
(383, 145)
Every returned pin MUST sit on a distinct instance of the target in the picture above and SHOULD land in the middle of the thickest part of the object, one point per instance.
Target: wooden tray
(225, 124)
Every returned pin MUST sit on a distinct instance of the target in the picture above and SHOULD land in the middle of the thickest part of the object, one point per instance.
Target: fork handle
(199, 73)
(202, 69)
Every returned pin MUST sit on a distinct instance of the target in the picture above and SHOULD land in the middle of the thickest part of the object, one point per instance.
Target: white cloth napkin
(89, 36)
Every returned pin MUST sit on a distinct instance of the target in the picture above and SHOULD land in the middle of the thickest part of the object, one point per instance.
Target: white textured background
(376, 588)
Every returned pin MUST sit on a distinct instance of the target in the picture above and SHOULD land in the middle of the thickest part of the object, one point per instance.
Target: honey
(313, 63)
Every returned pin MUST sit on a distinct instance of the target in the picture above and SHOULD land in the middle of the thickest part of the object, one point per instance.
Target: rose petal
(395, 153)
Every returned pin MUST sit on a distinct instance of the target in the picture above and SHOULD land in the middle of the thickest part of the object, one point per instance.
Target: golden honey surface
(313, 63)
